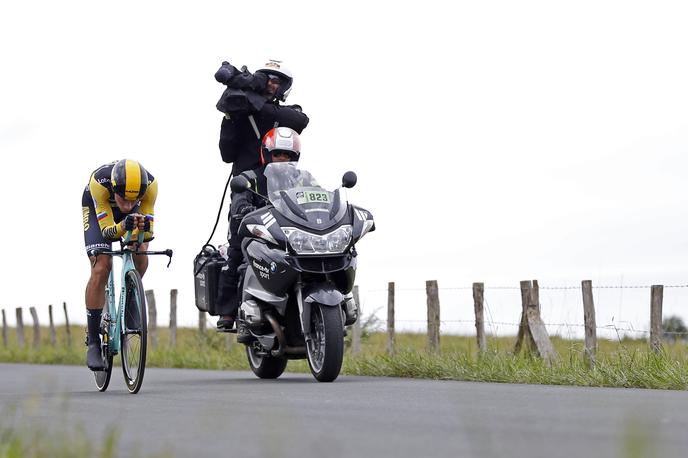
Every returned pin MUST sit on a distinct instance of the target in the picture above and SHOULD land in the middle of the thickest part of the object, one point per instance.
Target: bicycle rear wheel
(134, 332)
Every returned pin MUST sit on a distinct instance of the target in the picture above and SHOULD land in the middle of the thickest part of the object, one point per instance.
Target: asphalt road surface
(198, 413)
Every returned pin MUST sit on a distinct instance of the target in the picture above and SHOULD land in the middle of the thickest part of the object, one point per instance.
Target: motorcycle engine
(250, 313)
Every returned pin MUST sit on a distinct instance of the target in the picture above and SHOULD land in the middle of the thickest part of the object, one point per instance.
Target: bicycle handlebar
(96, 253)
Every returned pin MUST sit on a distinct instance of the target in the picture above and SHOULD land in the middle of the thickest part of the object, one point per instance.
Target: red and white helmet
(277, 68)
(282, 140)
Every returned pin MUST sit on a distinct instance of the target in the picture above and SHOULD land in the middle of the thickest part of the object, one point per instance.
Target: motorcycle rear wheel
(268, 367)
(326, 348)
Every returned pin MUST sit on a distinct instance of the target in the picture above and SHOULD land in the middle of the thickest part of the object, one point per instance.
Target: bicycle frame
(115, 326)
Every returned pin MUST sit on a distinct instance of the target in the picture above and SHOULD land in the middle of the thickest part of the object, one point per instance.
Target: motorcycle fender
(320, 293)
(330, 297)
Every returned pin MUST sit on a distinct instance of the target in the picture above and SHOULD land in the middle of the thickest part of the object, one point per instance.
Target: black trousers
(228, 298)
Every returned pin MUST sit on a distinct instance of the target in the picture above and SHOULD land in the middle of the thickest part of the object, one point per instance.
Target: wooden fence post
(67, 330)
(356, 328)
(53, 335)
(152, 318)
(657, 296)
(523, 331)
(433, 300)
(173, 317)
(201, 321)
(590, 325)
(36, 328)
(478, 295)
(4, 329)
(537, 328)
(532, 328)
(20, 328)
(391, 338)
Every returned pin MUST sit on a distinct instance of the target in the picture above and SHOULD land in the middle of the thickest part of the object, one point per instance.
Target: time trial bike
(124, 328)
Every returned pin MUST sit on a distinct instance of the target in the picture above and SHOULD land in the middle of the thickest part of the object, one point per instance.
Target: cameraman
(251, 104)
(243, 128)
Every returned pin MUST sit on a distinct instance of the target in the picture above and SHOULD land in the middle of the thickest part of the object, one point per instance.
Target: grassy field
(621, 363)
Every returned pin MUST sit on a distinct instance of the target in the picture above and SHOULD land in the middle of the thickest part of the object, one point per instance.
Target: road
(200, 413)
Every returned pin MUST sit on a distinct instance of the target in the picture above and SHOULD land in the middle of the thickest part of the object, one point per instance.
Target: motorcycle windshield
(296, 195)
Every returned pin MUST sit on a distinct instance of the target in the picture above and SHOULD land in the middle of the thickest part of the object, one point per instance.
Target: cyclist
(119, 197)
(280, 144)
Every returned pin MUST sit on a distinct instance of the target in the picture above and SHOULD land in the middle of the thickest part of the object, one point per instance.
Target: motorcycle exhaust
(282, 348)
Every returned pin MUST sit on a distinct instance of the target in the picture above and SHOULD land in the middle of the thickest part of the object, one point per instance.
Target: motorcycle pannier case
(207, 267)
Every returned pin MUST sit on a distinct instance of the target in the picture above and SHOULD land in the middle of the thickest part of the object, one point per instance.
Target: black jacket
(241, 201)
(239, 143)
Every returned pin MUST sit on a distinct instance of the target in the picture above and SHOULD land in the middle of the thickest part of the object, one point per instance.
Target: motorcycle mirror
(349, 180)
(239, 184)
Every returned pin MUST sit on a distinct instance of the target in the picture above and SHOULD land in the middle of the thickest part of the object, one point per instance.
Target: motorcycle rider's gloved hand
(243, 211)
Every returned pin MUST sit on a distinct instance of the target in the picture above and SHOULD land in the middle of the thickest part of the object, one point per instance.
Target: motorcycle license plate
(309, 197)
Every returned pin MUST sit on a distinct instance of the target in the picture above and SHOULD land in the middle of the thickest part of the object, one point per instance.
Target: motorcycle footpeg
(228, 331)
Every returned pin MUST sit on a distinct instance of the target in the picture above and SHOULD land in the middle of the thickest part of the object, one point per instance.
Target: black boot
(225, 324)
(94, 356)
(243, 334)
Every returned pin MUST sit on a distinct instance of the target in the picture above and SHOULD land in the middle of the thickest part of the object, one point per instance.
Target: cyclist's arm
(101, 202)
(147, 204)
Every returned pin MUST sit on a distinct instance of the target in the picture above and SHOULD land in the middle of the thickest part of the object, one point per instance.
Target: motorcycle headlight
(306, 243)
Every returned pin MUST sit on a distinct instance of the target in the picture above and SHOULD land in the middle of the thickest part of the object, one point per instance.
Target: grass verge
(622, 363)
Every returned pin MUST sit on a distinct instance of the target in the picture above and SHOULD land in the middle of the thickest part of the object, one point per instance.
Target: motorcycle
(298, 272)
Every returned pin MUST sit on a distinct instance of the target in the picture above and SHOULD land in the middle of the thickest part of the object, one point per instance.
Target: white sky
(494, 141)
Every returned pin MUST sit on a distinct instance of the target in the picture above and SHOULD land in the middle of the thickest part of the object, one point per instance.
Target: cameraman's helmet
(129, 179)
(280, 140)
(275, 67)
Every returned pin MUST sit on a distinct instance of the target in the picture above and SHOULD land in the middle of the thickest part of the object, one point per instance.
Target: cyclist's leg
(95, 288)
(132, 319)
(141, 260)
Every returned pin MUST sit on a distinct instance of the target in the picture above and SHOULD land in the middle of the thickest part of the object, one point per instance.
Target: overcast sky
(493, 141)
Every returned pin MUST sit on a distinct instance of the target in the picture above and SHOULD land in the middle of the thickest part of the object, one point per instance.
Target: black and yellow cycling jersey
(103, 220)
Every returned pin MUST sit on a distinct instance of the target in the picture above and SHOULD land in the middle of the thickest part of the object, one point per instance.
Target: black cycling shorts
(93, 238)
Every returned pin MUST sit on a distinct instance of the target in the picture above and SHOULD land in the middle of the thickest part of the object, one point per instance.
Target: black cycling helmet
(129, 179)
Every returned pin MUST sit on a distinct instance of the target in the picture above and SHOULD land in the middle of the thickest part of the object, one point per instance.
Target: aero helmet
(275, 67)
(129, 179)
(282, 140)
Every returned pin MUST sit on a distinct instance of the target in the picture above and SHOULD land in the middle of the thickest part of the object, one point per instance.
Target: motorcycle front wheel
(268, 367)
(326, 348)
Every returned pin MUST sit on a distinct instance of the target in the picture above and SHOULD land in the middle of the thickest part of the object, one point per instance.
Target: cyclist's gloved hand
(147, 223)
(129, 222)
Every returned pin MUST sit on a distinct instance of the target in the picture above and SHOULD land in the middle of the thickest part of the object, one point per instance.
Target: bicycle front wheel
(134, 332)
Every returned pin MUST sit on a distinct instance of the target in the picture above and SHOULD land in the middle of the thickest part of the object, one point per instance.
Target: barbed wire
(518, 288)
(606, 327)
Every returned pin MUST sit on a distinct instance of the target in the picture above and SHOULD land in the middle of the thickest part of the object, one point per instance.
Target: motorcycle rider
(241, 136)
(280, 144)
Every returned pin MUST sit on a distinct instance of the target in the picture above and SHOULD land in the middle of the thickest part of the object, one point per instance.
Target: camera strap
(255, 127)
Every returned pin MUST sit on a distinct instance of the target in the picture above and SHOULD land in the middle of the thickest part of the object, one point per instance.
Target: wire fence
(623, 311)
